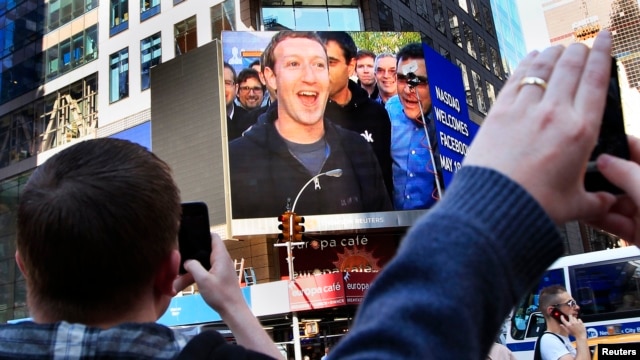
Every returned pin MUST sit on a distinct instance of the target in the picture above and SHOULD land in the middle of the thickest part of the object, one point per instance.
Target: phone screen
(194, 237)
(612, 138)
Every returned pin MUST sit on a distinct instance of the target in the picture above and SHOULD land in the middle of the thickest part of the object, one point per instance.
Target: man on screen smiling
(292, 142)
(414, 180)
(385, 70)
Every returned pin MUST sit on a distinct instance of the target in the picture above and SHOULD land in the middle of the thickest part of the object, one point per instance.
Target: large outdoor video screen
(351, 159)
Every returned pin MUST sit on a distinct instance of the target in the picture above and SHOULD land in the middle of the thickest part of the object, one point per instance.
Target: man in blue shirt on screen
(414, 172)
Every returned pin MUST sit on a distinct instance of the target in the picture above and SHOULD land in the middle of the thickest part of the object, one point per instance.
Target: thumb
(623, 173)
(196, 269)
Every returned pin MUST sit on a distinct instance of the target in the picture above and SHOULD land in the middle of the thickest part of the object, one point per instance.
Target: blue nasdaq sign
(454, 129)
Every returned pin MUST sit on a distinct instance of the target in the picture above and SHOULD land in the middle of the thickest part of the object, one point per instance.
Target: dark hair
(410, 51)
(248, 73)
(254, 63)
(233, 71)
(365, 53)
(268, 56)
(549, 296)
(95, 222)
(349, 49)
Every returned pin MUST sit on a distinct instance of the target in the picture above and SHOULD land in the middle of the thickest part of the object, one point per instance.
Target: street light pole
(297, 350)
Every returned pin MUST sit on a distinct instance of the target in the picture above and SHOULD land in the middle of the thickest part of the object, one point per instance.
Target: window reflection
(71, 53)
(150, 55)
(119, 75)
(186, 35)
(311, 15)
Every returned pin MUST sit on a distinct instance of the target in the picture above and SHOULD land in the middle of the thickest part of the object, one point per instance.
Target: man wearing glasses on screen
(236, 114)
(250, 89)
(561, 311)
(414, 172)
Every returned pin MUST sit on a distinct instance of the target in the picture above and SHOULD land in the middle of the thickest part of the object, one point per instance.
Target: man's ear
(549, 310)
(167, 274)
(351, 66)
(20, 264)
(270, 78)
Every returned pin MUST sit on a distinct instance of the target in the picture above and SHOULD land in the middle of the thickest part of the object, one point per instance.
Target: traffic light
(285, 226)
(296, 227)
(310, 328)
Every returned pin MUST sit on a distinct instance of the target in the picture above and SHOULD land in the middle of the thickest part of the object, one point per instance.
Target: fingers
(217, 246)
(623, 217)
(542, 68)
(591, 206)
(623, 173)
(196, 269)
(510, 89)
(634, 148)
(567, 72)
(182, 281)
(594, 82)
(617, 224)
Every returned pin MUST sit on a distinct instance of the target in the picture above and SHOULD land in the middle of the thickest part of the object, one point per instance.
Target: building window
(222, 18)
(66, 114)
(186, 35)
(426, 39)
(463, 5)
(488, 21)
(405, 25)
(386, 17)
(438, 15)
(21, 29)
(468, 39)
(69, 113)
(491, 93)
(421, 7)
(343, 15)
(71, 53)
(60, 12)
(148, 8)
(495, 63)
(455, 29)
(65, 55)
(475, 10)
(53, 14)
(65, 11)
(465, 81)
(53, 63)
(477, 86)
(91, 43)
(119, 75)
(150, 56)
(119, 16)
(445, 52)
(484, 56)
(13, 301)
(406, 2)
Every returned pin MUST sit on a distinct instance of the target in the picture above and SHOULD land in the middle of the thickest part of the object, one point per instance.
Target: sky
(534, 26)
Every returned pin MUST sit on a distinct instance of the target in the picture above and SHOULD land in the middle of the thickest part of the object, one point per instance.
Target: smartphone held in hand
(194, 237)
(612, 138)
(557, 314)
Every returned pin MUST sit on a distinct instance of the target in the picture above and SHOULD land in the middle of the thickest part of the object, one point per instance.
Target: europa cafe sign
(336, 270)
